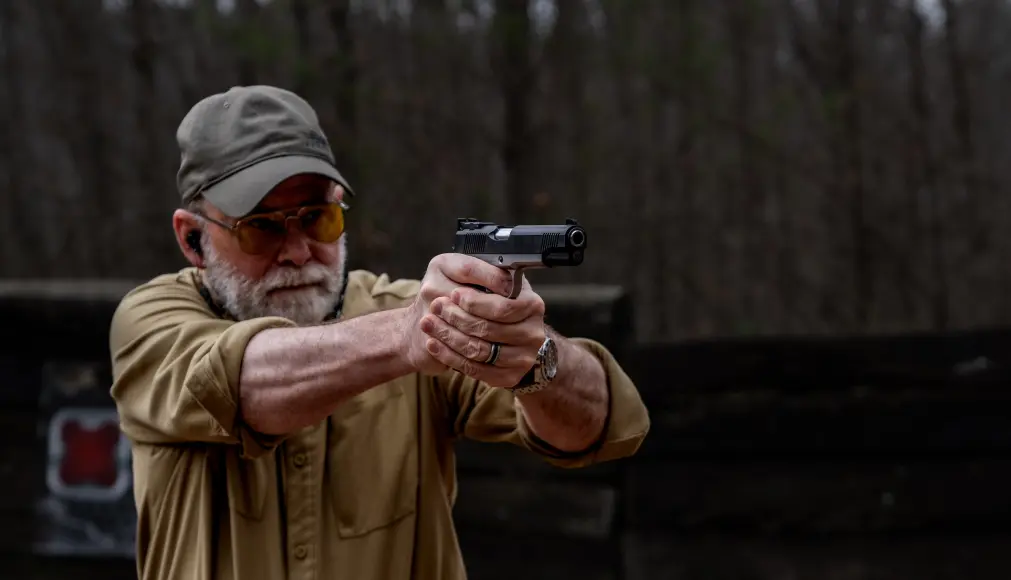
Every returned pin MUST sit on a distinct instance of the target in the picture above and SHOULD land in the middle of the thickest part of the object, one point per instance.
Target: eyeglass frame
(287, 213)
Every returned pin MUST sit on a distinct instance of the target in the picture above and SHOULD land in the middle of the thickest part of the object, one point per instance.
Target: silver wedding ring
(494, 354)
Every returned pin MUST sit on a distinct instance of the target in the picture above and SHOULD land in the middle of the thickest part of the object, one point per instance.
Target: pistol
(517, 248)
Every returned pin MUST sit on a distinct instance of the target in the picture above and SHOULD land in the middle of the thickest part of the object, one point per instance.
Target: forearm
(571, 412)
(295, 377)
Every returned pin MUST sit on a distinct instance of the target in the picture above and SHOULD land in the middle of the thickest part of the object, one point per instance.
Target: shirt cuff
(625, 427)
(217, 386)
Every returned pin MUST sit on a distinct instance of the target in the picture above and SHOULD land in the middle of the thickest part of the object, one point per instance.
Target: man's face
(301, 281)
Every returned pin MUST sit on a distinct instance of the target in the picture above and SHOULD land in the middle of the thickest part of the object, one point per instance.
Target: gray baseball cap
(238, 145)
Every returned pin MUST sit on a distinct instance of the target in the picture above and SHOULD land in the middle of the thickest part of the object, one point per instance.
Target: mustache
(314, 274)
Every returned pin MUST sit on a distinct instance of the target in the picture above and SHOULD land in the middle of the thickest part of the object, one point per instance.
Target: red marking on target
(88, 456)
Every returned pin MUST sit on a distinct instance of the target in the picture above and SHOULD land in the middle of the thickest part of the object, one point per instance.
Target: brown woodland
(743, 166)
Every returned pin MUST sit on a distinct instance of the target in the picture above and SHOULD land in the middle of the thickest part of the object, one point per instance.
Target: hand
(464, 325)
(446, 273)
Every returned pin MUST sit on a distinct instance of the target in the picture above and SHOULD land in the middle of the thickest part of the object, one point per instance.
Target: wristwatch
(543, 371)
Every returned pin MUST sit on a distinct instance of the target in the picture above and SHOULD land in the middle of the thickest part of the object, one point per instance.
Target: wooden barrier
(59, 331)
(517, 515)
(849, 458)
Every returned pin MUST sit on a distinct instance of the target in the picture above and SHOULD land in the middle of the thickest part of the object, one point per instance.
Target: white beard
(244, 298)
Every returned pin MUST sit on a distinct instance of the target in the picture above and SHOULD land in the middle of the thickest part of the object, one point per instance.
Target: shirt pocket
(372, 459)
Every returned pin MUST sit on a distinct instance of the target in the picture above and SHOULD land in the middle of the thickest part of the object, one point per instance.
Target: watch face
(550, 359)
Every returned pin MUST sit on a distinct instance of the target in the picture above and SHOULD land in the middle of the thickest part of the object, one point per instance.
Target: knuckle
(435, 263)
(505, 309)
(450, 309)
(537, 305)
(468, 368)
(430, 288)
(428, 292)
(450, 315)
(479, 328)
(537, 337)
(443, 334)
(473, 349)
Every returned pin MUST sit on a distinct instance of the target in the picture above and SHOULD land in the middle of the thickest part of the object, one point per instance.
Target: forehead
(296, 190)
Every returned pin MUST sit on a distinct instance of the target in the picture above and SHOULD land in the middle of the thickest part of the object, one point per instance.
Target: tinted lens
(323, 223)
(261, 237)
(264, 233)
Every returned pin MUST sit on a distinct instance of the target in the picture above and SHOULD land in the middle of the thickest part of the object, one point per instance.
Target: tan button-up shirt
(366, 494)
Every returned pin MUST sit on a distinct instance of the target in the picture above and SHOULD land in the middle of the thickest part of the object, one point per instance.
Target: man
(290, 419)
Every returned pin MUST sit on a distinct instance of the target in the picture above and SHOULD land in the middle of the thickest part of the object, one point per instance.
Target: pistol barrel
(529, 246)
(516, 248)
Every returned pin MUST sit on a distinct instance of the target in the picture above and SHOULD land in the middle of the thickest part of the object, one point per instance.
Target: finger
(436, 284)
(493, 375)
(476, 349)
(499, 308)
(464, 269)
(519, 334)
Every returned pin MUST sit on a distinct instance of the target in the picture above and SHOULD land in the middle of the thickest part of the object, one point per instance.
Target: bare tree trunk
(84, 130)
(303, 40)
(961, 113)
(835, 76)
(973, 188)
(675, 177)
(209, 71)
(144, 56)
(853, 151)
(664, 165)
(685, 153)
(344, 65)
(927, 183)
(750, 188)
(624, 64)
(514, 69)
(13, 217)
(566, 52)
(782, 239)
(247, 13)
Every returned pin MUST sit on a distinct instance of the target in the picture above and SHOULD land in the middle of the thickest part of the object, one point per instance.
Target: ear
(185, 224)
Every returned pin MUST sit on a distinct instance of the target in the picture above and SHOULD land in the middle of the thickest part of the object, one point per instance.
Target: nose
(295, 249)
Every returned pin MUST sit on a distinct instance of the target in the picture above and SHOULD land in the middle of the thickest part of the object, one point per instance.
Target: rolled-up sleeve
(176, 369)
(484, 413)
(625, 429)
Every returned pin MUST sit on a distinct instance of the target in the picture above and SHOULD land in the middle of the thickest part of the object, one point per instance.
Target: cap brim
(239, 194)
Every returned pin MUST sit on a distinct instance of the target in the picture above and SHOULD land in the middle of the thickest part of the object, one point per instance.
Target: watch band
(527, 390)
(526, 387)
(534, 380)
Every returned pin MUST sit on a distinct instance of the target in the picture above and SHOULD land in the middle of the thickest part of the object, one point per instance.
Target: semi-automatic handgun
(517, 248)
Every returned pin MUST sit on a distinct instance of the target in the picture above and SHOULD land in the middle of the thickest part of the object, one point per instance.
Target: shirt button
(300, 460)
(301, 552)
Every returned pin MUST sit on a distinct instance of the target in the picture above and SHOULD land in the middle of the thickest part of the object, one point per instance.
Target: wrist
(401, 325)
(543, 372)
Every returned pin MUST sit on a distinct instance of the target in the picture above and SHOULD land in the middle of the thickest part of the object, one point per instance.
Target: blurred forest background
(743, 166)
